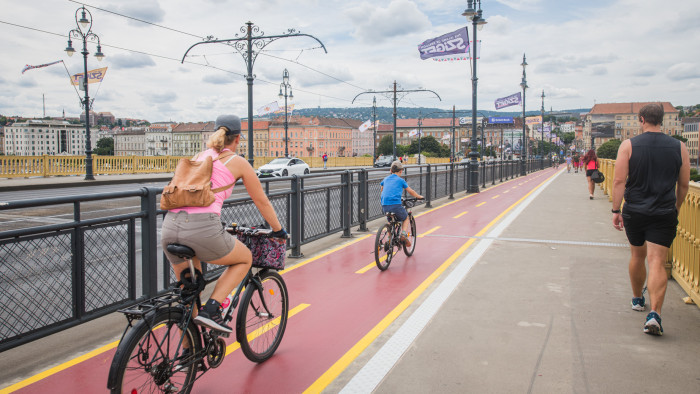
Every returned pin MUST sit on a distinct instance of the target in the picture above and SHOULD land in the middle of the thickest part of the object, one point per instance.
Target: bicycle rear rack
(138, 311)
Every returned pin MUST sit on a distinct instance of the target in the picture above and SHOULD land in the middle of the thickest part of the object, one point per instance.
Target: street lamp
(285, 84)
(474, 15)
(542, 131)
(523, 147)
(84, 33)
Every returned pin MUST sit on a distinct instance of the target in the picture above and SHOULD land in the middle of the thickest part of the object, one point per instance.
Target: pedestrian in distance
(200, 227)
(652, 172)
(568, 163)
(392, 188)
(575, 161)
(325, 160)
(590, 161)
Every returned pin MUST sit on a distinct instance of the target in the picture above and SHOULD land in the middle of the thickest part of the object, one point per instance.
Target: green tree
(567, 138)
(386, 145)
(609, 149)
(105, 147)
(429, 146)
(680, 138)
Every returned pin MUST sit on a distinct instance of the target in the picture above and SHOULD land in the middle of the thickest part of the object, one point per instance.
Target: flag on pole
(290, 109)
(413, 132)
(95, 75)
(269, 108)
(28, 67)
(456, 42)
(365, 126)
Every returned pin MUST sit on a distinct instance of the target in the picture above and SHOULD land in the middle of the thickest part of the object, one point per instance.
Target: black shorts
(658, 229)
(589, 172)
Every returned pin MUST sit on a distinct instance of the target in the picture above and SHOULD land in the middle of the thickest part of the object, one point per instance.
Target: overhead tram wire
(172, 59)
(204, 38)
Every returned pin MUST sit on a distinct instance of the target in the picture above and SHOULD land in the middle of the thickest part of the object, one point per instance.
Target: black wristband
(615, 211)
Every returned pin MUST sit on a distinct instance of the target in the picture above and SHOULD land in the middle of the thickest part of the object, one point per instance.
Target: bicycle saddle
(181, 251)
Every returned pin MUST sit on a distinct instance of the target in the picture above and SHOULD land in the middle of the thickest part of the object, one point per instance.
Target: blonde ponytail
(219, 139)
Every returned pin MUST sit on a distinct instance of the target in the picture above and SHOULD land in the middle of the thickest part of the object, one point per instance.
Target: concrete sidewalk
(546, 309)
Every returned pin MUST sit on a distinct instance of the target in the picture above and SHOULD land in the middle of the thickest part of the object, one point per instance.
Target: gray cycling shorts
(203, 232)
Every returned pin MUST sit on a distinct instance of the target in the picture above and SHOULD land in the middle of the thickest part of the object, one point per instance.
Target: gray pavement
(544, 309)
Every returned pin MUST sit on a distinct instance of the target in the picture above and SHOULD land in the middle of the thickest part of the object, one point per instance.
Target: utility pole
(395, 92)
(254, 37)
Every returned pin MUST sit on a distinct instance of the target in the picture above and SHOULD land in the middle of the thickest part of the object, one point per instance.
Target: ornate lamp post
(285, 84)
(524, 148)
(478, 22)
(84, 33)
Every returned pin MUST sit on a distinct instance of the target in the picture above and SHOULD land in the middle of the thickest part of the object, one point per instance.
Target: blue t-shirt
(393, 189)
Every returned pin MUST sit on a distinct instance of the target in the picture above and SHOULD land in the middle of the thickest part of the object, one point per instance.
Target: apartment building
(36, 137)
(159, 139)
(620, 120)
(130, 142)
(187, 138)
(690, 132)
(260, 138)
(312, 136)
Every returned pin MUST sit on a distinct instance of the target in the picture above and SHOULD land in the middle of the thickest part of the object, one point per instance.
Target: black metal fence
(91, 263)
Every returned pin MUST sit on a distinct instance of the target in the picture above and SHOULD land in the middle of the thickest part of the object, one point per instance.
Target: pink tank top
(220, 176)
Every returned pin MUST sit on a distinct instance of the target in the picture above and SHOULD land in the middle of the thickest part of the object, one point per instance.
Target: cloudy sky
(579, 52)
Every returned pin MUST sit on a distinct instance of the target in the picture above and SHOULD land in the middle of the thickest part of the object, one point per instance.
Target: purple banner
(513, 99)
(447, 44)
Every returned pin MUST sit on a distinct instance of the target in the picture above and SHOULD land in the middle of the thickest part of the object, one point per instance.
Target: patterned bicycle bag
(267, 252)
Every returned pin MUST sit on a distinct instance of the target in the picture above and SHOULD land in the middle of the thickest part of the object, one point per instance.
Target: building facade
(130, 142)
(312, 136)
(159, 139)
(187, 138)
(36, 137)
(620, 121)
(690, 132)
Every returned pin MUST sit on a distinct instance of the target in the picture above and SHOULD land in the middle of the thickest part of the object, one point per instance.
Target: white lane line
(376, 369)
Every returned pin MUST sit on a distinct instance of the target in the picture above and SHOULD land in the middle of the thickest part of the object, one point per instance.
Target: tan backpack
(191, 184)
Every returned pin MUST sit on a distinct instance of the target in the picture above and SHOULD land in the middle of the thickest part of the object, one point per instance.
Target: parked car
(384, 161)
(283, 167)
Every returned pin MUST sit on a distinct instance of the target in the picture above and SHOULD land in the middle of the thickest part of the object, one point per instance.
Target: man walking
(653, 171)
(325, 160)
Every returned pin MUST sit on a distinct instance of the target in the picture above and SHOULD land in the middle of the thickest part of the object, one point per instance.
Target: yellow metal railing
(683, 262)
(45, 166)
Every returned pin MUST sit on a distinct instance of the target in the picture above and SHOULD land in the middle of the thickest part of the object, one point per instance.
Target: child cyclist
(391, 192)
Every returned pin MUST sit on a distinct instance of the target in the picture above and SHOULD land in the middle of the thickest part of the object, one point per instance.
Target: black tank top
(653, 173)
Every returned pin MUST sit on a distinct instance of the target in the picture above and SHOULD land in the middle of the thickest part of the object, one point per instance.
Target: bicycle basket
(267, 252)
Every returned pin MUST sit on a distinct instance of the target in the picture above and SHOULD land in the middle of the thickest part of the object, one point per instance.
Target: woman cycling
(200, 227)
(590, 161)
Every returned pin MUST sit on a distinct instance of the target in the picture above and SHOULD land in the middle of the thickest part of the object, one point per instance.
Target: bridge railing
(45, 166)
(683, 262)
(68, 260)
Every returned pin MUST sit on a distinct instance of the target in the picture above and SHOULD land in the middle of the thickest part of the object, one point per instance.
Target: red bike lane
(337, 311)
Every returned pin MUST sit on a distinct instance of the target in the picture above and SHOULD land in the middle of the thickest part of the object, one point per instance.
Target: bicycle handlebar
(410, 202)
(234, 228)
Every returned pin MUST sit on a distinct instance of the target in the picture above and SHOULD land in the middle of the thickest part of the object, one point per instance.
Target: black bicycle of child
(162, 350)
(388, 240)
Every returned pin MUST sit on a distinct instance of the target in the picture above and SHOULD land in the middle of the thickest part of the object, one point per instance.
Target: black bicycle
(162, 350)
(388, 240)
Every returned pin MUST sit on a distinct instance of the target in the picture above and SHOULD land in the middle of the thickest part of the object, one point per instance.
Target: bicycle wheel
(383, 248)
(412, 234)
(262, 317)
(149, 358)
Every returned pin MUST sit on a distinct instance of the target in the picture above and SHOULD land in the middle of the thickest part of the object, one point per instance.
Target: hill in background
(385, 114)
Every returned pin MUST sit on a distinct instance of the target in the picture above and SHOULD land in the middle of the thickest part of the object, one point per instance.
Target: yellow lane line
(506, 191)
(324, 380)
(495, 197)
(431, 230)
(480, 204)
(324, 254)
(267, 327)
(460, 215)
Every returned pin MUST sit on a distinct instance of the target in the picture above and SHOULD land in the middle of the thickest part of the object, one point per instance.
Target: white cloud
(683, 71)
(376, 24)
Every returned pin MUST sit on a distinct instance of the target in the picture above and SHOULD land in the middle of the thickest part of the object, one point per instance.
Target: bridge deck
(522, 287)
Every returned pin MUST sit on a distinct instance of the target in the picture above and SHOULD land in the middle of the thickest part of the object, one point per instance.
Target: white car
(283, 167)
